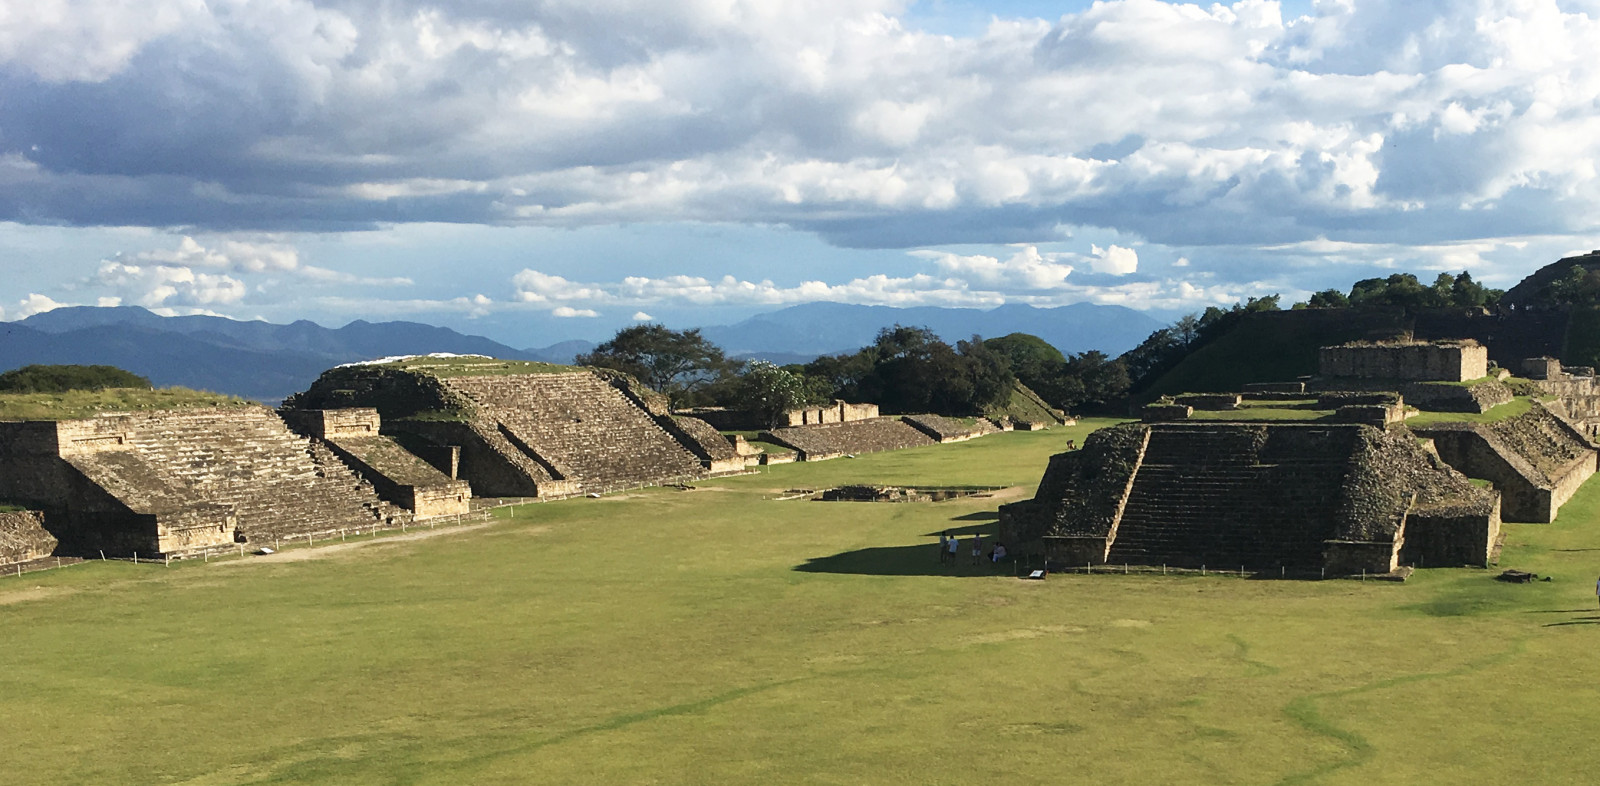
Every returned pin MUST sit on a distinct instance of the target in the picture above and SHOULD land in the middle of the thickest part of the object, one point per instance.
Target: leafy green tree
(60, 379)
(677, 363)
(770, 391)
(910, 369)
(1327, 298)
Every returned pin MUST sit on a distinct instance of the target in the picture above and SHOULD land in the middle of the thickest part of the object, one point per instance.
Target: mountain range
(266, 361)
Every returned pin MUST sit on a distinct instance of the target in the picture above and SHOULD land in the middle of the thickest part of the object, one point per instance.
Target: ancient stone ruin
(1537, 460)
(181, 481)
(398, 475)
(529, 430)
(1256, 496)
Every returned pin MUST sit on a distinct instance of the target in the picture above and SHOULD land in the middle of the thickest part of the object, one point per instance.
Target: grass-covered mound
(1025, 405)
(87, 403)
(721, 636)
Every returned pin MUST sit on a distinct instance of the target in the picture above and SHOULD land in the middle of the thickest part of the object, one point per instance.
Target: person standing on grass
(977, 547)
(953, 545)
(944, 546)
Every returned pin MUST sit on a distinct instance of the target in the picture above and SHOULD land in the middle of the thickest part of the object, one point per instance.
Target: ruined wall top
(1439, 361)
(837, 412)
(330, 423)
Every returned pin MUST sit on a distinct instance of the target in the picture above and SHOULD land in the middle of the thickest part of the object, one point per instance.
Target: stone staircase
(277, 484)
(1230, 497)
(584, 428)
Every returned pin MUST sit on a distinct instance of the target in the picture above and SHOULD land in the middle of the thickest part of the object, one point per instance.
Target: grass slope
(1267, 347)
(721, 636)
(85, 403)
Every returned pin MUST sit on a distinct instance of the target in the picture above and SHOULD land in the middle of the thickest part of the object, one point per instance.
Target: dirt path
(316, 552)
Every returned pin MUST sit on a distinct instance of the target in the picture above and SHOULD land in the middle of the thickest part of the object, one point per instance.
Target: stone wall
(1213, 402)
(817, 443)
(1456, 361)
(1541, 368)
(837, 412)
(1536, 460)
(492, 463)
(23, 537)
(1275, 387)
(399, 476)
(1075, 511)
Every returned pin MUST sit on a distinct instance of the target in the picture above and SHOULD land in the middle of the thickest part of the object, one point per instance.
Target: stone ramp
(188, 465)
(581, 428)
(1232, 497)
(832, 440)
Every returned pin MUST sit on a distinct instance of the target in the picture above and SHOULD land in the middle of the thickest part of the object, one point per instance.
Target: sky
(537, 172)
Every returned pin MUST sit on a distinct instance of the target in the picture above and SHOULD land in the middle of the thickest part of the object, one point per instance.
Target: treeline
(904, 370)
(64, 378)
(1165, 348)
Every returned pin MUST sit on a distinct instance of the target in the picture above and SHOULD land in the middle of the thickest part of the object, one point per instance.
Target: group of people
(950, 549)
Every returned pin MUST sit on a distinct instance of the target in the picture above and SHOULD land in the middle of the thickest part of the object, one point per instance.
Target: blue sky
(539, 172)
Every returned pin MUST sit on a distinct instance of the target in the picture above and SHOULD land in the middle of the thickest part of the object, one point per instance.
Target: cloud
(162, 284)
(243, 257)
(1114, 260)
(640, 316)
(1378, 122)
(35, 303)
(567, 312)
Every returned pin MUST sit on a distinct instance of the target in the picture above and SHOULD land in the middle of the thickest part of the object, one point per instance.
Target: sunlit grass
(717, 635)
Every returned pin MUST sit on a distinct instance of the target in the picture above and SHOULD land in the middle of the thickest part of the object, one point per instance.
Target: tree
(770, 391)
(60, 379)
(677, 363)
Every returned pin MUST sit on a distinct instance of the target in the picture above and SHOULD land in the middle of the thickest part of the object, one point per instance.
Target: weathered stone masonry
(1306, 496)
(398, 476)
(181, 481)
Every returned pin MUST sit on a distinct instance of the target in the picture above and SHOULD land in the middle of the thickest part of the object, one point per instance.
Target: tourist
(944, 546)
(953, 545)
(998, 554)
(1596, 589)
(977, 547)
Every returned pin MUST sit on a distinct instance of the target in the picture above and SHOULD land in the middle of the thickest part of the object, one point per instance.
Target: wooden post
(1202, 570)
(136, 558)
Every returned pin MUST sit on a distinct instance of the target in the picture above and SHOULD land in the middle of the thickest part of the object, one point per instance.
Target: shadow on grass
(1579, 621)
(921, 560)
(982, 515)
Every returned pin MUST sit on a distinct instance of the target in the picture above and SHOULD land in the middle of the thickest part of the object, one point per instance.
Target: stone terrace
(833, 440)
(583, 427)
(191, 466)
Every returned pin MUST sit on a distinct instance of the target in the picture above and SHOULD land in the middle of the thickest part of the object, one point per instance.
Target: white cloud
(161, 285)
(1114, 260)
(36, 303)
(640, 316)
(568, 312)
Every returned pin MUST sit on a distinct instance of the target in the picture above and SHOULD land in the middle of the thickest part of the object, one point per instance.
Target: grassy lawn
(84, 403)
(721, 636)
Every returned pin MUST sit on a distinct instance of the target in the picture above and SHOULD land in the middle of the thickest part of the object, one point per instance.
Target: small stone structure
(821, 442)
(1213, 402)
(719, 456)
(1340, 498)
(837, 412)
(1437, 361)
(1537, 460)
(399, 476)
(943, 429)
(23, 537)
(183, 481)
(1575, 389)
(1159, 412)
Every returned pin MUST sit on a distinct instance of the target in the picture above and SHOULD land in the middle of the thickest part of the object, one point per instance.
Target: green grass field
(721, 636)
(85, 403)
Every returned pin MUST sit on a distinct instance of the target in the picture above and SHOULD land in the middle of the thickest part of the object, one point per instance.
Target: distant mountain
(815, 329)
(258, 360)
(562, 352)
